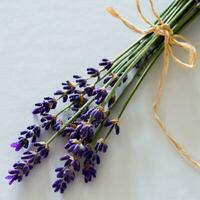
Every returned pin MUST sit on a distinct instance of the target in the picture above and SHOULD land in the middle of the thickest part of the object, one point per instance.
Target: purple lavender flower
(28, 160)
(80, 81)
(31, 134)
(80, 132)
(100, 94)
(69, 87)
(113, 77)
(58, 125)
(114, 123)
(63, 94)
(125, 79)
(89, 171)
(42, 149)
(111, 101)
(86, 130)
(22, 142)
(101, 146)
(98, 113)
(89, 89)
(92, 156)
(19, 170)
(44, 107)
(69, 130)
(48, 121)
(78, 101)
(65, 176)
(72, 161)
(76, 147)
(75, 98)
(93, 72)
(107, 64)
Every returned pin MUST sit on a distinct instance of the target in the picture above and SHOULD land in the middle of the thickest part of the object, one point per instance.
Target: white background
(43, 43)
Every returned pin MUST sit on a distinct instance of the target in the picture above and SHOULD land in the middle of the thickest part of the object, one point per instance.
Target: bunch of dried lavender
(88, 101)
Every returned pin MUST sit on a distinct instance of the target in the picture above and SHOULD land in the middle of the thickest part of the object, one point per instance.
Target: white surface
(42, 43)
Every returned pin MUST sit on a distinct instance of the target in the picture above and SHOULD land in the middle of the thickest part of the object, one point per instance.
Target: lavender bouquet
(87, 103)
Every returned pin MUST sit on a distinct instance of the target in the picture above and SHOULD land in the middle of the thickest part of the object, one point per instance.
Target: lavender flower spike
(30, 135)
(66, 174)
(28, 160)
(44, 107)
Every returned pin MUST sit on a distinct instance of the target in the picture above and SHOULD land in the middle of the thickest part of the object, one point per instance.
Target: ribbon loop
(170, 40)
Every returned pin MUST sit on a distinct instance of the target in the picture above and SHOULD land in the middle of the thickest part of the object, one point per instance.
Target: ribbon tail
(178, 147)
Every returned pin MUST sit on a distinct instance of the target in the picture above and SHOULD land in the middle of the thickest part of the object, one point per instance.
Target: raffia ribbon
(170, 39)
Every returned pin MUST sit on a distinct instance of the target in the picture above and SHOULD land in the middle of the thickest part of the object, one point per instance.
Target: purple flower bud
(125, 79)
(113, 124)
(71, 161)
(58, 125)
(113, 77)
(98, 114)
(48, 121)
(76, 76)
(30, 135)
(68, 131)
(93, 72)
(89, 170)
(63, 94)
(44, 107)
(76, 147)
(65, 176)
(20, 169)
(89, 90)
(78, 101)
(106, 64)
(69, 87)
(31, 157)
(42, 149)
(111, 101)
(80, 81)
(101, 145)
(101, 94)
(86, 130)
(22, 142)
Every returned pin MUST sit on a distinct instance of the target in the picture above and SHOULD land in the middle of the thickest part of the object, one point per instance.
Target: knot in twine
(170, 39)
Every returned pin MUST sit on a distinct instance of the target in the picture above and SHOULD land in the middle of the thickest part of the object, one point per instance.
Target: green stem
(63, 110)
(141, 77)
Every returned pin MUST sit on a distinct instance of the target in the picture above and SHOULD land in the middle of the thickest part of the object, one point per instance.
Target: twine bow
(170, 39)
